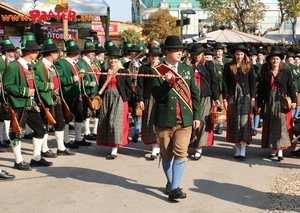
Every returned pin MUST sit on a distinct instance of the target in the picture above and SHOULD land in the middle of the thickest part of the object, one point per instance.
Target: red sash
(180, 87)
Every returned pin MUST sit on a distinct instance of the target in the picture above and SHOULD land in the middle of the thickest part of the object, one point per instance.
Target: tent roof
(233, 36)
(93, 7)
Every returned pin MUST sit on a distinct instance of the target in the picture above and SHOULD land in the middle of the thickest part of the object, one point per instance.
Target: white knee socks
(78, 129)
(86, 125)
(66, 134)
(16, 147)
(96, 121)
(59, 135)
(45, 147)
(37, 147)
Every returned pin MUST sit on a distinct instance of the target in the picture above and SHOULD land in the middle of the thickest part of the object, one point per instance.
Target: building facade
(141, 10)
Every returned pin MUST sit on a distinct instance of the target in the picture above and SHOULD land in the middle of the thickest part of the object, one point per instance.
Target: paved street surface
(87, 182)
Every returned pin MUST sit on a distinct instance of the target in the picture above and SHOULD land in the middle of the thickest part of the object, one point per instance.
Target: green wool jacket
(69, 87)
(87, 79)
(165, 99)
(43, 83)
(15, 87)
(2, 65)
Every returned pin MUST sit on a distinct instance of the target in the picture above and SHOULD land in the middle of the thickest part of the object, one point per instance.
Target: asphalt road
(87, 182)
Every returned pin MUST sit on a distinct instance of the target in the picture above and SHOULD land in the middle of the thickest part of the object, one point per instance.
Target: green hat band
(6, 42)
(48, 41)
(71, 44)
(98, 45)
(88, 44)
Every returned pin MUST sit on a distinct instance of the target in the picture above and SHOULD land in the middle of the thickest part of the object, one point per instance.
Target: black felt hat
(240, 47)
(7, 45)
(72, 47)
(172, 42)
(88, 47)
(154, 51)
(196, 49)
(218, 45)
(113, 51)
(275, 51)
(99, 48)
(29, 42)
(49, 45)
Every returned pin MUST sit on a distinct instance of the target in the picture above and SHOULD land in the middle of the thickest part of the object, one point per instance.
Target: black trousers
(57, 113)
(34, 120)
(76, 107)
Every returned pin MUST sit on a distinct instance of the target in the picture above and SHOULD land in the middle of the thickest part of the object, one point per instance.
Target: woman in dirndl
(206, 80)
(276, 83)
(113, 126)
(146, 102)
(239, 98)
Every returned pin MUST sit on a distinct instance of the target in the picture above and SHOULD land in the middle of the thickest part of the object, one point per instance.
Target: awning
(232, 36)
(95, 7)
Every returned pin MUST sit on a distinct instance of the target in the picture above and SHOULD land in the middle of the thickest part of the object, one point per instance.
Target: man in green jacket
(71, 85)
(177, 112)
(8, 51)
(19, 84)
(48, 85)
(90, 86)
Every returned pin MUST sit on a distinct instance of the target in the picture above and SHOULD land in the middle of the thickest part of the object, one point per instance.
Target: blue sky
(120, 10)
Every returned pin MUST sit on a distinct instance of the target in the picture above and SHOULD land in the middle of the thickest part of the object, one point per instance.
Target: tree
(243, 15)
(129, 36)
(159, 25)
(290, 10)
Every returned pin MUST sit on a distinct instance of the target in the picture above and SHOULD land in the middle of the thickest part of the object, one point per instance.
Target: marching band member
(100, 55)
(8, 50)
(19, 83)
(177, 110)
(113, 126)
(90, 84)
(71, 85)
(48, 84)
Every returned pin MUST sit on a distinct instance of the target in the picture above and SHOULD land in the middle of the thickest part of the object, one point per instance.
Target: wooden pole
(65, 22)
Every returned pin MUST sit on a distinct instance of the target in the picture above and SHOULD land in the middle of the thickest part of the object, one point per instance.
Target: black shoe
(153, 157)
(71, 127)
(3, 150)
(41, 162)
(28, 136)
(176, 194)
(242, 158)
(71, 145)
(296, 153)
(135, 138)
(49, 154)
(65, 152)
(111, 156)
(236, 157)
(82, 143)
(280, 158)
(22, 166)
(254, 132)
(218, 131)
(168, 186)
(3, 144)
(90, 137)
(7, 141)
(6, 176)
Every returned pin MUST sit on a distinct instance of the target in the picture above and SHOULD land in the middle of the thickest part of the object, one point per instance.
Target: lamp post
(184, 12)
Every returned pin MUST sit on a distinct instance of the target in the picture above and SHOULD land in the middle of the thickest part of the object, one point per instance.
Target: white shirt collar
(88, 60)
(70, 60)
(47, 62)
(173, 66)
(23, 63)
